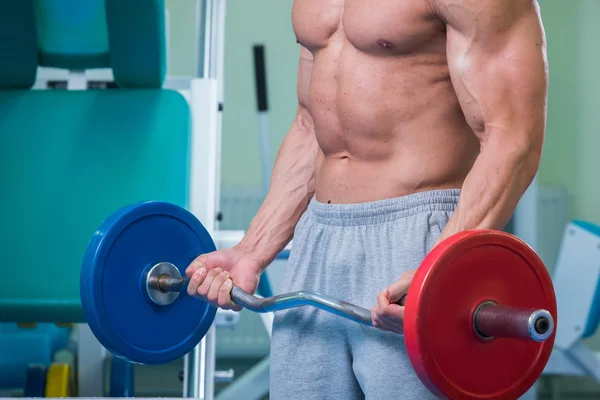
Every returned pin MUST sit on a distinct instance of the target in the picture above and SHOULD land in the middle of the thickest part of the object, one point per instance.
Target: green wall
(572, 141)
(558, 167)
(266, 22)
(586, 77)
(182, 35)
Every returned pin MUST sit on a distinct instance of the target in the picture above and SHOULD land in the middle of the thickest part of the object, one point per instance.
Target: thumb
(397, 290)
(199, 262)
(219, 259)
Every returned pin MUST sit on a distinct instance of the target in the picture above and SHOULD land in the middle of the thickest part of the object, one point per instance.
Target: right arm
(292, 186)
(292, 181)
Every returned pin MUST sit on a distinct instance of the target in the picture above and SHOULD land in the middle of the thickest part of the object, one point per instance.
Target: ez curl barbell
(479, 320)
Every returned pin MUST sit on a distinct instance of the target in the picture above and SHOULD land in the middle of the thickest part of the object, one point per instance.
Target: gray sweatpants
(352, 252)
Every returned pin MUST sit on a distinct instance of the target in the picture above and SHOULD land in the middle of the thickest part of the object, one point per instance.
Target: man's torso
(386, 116)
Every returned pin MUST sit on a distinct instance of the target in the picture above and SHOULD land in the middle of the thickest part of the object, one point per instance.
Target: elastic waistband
(384, 210)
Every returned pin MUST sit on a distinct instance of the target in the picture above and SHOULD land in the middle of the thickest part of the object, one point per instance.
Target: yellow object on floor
(60, 381)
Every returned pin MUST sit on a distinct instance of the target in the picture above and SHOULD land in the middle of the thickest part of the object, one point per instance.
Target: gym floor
(163, 380)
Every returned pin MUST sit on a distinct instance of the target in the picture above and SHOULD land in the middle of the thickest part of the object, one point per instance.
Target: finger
(213, 291)
(195, 281)
(205, 286)
(385, 326)
(391, 316)
(380, 323)
(224, 297)
(391, 312)
(387, 310)
(382, 299)
(383, 309)
(396, 290)
(199, 262)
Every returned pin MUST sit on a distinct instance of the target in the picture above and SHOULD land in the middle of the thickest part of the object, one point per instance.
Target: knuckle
(197, 278)
(377, 323)
(224, 289)
(211, 296)
(387, 312)
(202, 290)
(377, 311)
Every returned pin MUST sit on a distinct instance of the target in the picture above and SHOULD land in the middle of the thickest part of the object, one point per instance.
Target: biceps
(501, 81)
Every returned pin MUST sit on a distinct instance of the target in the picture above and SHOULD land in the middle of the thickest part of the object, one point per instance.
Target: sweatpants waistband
(379, 211)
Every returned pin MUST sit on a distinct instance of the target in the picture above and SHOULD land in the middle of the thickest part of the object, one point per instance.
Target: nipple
(385, 44)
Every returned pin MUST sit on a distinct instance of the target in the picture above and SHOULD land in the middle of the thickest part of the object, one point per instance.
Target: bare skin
(395, 98)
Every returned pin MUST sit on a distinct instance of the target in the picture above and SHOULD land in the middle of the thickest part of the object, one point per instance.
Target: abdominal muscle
(386, 127)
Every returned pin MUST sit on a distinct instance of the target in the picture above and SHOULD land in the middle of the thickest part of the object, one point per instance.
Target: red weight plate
(456, 276)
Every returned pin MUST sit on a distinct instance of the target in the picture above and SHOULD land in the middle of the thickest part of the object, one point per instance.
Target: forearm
(500, 73)
(292, 187)
(493, 188)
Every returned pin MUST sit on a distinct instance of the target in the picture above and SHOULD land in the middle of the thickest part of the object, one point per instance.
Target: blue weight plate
(115, 304)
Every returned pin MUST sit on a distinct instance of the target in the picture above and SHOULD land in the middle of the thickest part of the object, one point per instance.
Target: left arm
(497, 59)
(496, 54)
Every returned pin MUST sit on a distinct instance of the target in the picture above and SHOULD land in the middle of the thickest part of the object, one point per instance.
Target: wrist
(253, 252)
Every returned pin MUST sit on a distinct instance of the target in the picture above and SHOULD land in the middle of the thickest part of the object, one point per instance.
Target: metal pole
(220, 47)
(199, 365)
(219, 71)
(263, 116)
(205, 21)
(210, 363)
(195, 372)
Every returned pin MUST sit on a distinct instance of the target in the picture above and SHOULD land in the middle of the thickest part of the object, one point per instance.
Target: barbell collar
(491, 320)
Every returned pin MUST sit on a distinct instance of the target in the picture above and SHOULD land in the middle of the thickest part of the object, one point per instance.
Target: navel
(385, 44)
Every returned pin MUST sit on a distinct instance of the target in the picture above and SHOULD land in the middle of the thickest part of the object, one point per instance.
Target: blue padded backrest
(18, 45)
(70, 159)
(127, 36)
(72, 34)
(137, 42)
(594, 315)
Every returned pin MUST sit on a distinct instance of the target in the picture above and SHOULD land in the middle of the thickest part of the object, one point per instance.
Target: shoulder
(493, 14)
